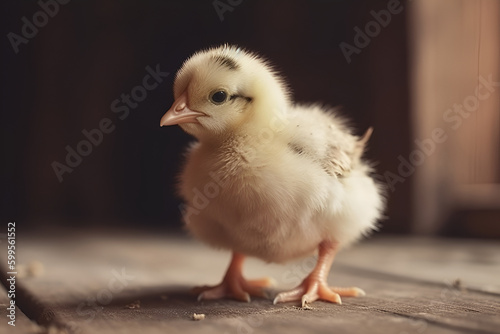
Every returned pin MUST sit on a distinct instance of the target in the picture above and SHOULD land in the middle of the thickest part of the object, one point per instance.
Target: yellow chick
(266, 177)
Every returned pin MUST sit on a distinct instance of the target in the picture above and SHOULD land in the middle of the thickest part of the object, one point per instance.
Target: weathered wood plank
(91, 278)
(475, 263)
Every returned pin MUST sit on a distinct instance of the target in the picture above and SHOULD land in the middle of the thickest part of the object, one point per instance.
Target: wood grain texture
(90, 281)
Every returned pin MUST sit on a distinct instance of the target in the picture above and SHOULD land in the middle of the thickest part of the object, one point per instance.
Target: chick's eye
(218, 97)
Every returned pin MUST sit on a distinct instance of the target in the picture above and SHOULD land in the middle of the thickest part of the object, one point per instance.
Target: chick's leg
(314, 286)
(234, 284)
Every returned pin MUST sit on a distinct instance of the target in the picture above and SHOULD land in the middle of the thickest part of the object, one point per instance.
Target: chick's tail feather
(361, 144)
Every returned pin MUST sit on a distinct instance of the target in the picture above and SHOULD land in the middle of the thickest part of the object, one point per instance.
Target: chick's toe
(234, 285)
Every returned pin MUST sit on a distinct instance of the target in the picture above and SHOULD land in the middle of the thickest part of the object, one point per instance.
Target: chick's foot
(312, 289)
(314, 286)
(234, 285)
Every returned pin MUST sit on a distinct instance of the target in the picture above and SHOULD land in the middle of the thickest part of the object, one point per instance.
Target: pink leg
(234, 285)
(314, 286)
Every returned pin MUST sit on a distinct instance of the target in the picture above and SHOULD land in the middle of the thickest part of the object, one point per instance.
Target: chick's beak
(180, 113)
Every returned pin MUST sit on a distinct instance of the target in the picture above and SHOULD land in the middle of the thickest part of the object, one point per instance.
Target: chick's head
(222, 90)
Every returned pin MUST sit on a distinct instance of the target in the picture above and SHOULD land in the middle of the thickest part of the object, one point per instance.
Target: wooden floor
(82, 282)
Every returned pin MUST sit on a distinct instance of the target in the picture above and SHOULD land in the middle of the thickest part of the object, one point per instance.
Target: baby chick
(266, 177)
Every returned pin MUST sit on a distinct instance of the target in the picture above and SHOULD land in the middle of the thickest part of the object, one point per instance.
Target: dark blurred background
(65, 77)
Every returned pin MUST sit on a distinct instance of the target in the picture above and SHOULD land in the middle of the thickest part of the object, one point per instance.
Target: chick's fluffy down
(278, 195)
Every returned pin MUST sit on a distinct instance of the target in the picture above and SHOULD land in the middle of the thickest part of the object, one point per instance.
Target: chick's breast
(278, 198)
